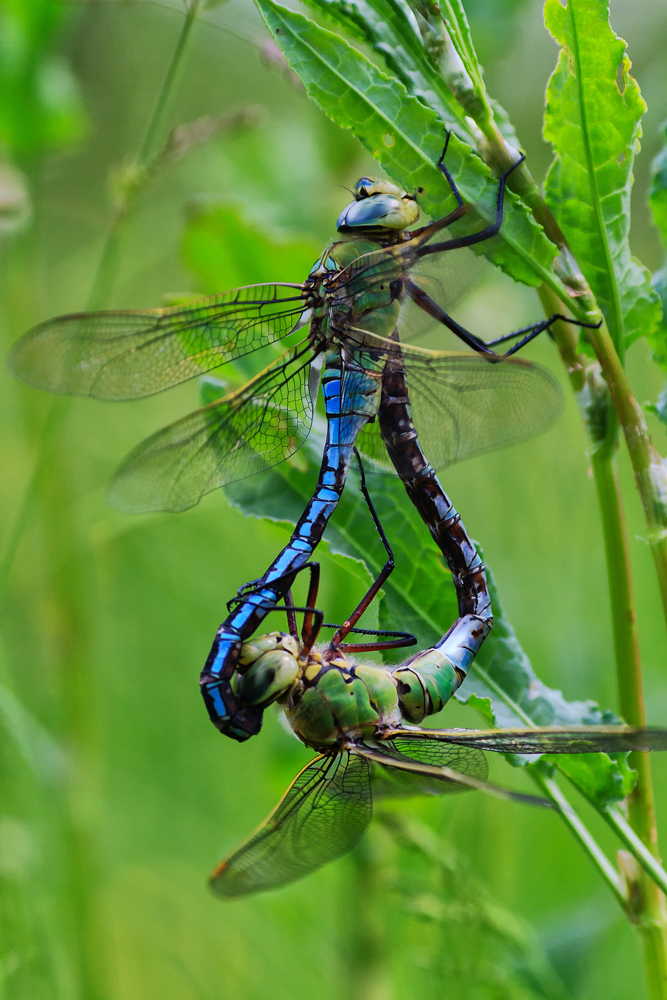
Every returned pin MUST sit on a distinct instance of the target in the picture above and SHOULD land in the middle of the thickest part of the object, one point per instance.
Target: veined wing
(324, 812)
(464, 405)
(447, 277)
(414, 759)
(248, 431)
(391, 782)
(126, 355)
(581, 739)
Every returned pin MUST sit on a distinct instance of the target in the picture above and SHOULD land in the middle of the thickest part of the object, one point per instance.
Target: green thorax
(356, 293)
(329, 699)
(334, 700)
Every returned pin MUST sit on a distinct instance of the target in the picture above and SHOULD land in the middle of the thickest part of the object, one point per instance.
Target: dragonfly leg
(488, 232)
(384, 573)
(526, 333)
(463, 640)
(351, 397)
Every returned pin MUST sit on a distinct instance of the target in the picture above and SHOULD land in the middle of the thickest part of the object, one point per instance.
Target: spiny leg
(313, 617)
(420, 297)
(527, 333)
(487, 233)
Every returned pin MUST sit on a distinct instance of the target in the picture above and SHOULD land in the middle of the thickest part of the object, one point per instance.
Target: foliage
(596, 139)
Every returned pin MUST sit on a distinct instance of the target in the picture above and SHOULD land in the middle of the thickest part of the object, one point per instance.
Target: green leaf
(593, 115)
(390, 29)
(406, 137)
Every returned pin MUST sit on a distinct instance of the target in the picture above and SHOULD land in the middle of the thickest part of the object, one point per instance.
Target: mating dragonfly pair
(349, 328)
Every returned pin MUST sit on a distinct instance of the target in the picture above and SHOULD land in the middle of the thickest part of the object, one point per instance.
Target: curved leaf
(594, 125)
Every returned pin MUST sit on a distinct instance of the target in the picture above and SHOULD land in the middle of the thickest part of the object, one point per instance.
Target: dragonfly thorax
(379, 206)
(329, 699)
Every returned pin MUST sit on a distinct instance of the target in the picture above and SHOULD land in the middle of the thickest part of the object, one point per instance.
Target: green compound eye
(251, 651)
(268, 678)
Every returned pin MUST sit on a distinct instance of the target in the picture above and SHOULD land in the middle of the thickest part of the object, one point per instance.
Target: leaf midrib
(618, 325)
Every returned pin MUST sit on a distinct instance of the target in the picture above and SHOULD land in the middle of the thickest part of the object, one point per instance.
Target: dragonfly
(362, 721)
(346, 328)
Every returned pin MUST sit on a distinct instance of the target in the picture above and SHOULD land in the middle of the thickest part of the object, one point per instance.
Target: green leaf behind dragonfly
(420, 595)
(593, 114)
(407, 138)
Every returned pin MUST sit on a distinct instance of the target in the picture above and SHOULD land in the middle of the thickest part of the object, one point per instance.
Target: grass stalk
(583, 835)
(104, 278)
(109, 262)
(647, 904)
(73, 655)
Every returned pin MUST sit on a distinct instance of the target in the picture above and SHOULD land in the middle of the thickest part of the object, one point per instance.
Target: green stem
(366, 965)
(583, 835)
(107, 268)
(71, 643)
(647, 908)
(645, 460)
(635, 845)
(626, 645)
(147, 149)
(50, 428)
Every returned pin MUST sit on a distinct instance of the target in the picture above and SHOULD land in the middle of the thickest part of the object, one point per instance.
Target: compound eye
(363, 187)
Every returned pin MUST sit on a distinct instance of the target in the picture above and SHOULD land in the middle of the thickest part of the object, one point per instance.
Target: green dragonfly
(363, 721)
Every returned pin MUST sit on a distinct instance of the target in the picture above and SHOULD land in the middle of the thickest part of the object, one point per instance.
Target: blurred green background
(107, 619)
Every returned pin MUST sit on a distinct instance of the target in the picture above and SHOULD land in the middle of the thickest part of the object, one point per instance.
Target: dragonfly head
(378, 205)
(271, 668)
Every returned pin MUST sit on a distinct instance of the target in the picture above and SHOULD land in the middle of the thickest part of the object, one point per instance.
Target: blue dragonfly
(347, 328)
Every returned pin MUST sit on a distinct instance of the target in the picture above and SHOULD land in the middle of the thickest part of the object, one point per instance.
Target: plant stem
(102, 285)
(646, 463)
(583, 835)
(71, 641)
(107, 268)
(147, 149)
(647, 909)
(650, 475)
(648, 905)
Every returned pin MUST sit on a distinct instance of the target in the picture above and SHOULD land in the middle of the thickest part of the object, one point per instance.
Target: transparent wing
(324, 812)
(389, 781)
(447, 277)
(126, 355)
(464, 405)
(248, 431)
(414, 760)
(584, 739)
